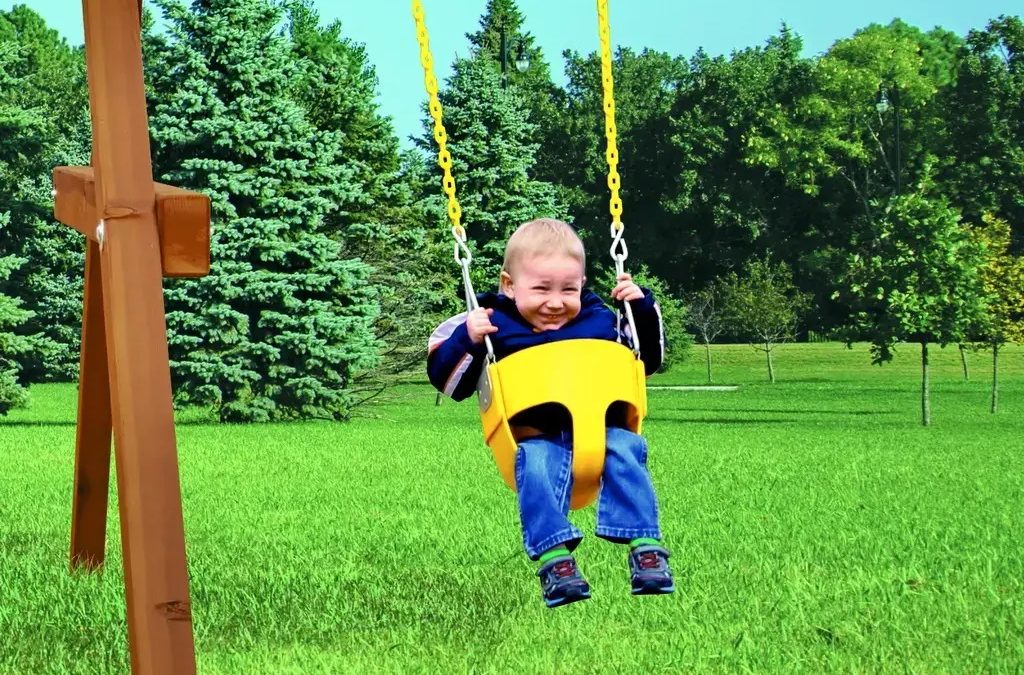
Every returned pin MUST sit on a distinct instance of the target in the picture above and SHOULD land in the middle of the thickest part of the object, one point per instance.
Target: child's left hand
(626, 290)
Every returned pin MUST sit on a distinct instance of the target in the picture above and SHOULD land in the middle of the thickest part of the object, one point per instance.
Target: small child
(542, 299)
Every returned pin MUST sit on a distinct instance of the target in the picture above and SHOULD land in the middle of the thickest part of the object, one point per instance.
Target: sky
(678, 27)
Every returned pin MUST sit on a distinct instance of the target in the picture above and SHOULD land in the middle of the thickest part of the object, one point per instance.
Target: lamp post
(522, 59)
(883, 106)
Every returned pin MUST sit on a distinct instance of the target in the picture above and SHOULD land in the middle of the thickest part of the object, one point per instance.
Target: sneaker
(561, 582)
(649, 572)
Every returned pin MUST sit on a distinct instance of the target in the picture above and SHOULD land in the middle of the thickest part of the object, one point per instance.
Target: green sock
(552, 553)
(644, 541)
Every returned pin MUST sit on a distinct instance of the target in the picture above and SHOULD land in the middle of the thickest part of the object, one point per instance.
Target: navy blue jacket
(454, 363)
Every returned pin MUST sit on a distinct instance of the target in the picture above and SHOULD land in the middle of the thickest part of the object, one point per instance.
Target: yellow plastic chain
(444, 158)
(612, 153)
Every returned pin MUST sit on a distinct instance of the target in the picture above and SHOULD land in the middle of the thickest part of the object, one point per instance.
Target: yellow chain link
(444, 158)
(612, 153)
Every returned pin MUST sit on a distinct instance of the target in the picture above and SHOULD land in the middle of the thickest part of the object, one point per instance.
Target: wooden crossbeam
(182, 219)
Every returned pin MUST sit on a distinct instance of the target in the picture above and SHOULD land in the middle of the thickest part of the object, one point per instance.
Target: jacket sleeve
(454, 363)
(651, 331)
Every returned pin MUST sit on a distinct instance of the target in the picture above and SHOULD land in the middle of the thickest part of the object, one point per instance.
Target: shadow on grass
(178, 423)
(30, 423)
(712, 420)
(790, 411)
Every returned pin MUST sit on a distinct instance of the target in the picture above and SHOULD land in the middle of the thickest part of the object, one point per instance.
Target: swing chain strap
(463, 256)
(612, 152)
(444, 158)
(619, 252)
(472, 304)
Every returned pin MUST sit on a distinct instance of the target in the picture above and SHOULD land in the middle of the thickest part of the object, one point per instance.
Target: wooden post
(92, 442)
(137, 230)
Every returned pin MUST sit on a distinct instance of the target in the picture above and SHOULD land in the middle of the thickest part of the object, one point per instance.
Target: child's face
(546, 289)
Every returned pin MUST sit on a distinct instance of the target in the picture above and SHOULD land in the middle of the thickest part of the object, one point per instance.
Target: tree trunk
(995, 377)
(926, 411)
(963, 361)
(707, 352)
(771, 369)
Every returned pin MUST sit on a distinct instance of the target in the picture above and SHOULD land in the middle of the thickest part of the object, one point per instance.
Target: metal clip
(618, 243)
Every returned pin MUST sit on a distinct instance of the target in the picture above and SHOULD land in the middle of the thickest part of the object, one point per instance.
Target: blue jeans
(626, 505)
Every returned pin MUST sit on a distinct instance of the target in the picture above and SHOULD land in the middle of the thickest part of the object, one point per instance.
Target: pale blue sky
(678, 27)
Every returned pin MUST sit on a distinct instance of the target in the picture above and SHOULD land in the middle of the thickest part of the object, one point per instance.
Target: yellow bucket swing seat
(587, 377)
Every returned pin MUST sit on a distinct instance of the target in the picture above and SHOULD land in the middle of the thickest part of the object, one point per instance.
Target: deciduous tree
(1002, 276)
(706, 314)
(764, 306)
(914, 277)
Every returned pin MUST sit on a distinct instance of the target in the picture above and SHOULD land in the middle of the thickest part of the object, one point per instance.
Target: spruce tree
(282, 322)
(12, 345)
(42, 84)
(528, 74)
(492, 155)
(383, 223)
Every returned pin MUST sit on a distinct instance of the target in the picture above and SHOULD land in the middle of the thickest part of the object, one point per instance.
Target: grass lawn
(815, 526)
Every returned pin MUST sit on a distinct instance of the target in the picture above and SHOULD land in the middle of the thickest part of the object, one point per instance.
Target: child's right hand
(478, 324)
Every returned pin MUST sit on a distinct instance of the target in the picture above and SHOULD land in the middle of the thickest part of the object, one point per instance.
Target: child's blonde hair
(543, 236)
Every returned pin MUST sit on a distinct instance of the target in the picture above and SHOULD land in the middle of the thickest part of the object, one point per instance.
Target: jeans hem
(618, 534)
(570, 537)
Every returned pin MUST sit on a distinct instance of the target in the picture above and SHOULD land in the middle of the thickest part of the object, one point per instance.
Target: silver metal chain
(464, 257)
(619, 253)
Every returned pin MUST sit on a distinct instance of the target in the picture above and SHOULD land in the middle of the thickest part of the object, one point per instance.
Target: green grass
(815, 526)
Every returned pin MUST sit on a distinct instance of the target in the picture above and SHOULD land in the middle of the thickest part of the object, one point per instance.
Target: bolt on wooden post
(137, 232)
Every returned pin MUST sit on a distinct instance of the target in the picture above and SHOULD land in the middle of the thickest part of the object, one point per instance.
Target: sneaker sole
(653, 589)
(566, 599)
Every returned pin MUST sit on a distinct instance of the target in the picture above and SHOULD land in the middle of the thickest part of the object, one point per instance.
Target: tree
(645, 86)
(983, 134)
(414, 275)
(45, 123)
(12, 345)
(488, 137)
(674, 316)
(730, 205)
(913, 276)
(532, 86)
(833, 139)
(336, 86)
(707, 315)
(283, 322)
(764, 306)
(384, 221)
(1002, 277)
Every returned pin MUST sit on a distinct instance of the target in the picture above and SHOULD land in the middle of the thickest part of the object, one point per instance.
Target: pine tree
(383, 224)
(283, 321)
(489, 139)
(336, 86)
(44, 80)
(12, 345)
(528, 73)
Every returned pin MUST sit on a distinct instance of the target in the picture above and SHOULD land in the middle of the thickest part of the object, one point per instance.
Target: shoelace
(563, 569)
(648, 560)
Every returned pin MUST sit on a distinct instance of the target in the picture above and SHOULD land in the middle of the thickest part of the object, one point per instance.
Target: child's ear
(506, 284)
